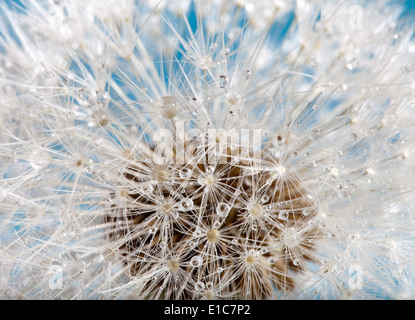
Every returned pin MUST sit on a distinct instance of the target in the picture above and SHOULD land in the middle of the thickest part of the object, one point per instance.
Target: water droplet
(196, 261)
(153, 230)
(265, 199)
(209, 285)
(39, 158)
(175, 214)
(271, 260)
(200, 286)
(296, 262)
(283, 215)
(233, 98)
(216, 224)
(186, 204)
(197, 233)
(100, 118)
(167, 107)
(210, 169)
(185, 173)
(206, 63)
(160, 173)
(342, 193)
(222, 209)
(306, 212)
(146, 188)
(247, 74)
(223, 80)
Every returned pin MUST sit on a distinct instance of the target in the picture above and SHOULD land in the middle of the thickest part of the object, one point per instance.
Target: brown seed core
(252, 221)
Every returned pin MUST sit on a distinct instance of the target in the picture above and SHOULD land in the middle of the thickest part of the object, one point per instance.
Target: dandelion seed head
(206, 150)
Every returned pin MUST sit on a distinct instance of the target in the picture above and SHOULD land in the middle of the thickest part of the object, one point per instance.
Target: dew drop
(196, 261)
(233, 98)
(283, 215)
(223, 80)
(87, 97)
(206, 63)
(167, 107)
(160, 173)
(216, 224)
(265, 199)
(186, 204)
(197, 233)
(39, 158)
(263, 251)
(247, 74)
(222, 209)
(100, 118)
(306, 212)
(200, 286)
(271, 260)
(210, 170)
(315, 134)
(175, 214)
(146, 188)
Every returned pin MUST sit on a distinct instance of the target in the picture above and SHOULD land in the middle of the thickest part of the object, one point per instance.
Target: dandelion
(206, 150)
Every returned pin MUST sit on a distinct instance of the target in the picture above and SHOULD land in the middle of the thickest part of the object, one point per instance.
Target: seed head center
(255, 209)
(213, 236)
(173, 265)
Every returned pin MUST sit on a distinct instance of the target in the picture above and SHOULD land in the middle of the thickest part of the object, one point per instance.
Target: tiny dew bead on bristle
(168, 107)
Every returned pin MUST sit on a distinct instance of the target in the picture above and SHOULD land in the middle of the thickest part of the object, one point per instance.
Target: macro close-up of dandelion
(222, 149)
